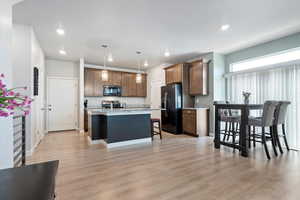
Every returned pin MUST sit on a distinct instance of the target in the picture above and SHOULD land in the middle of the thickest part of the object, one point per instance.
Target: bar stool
(155, 124)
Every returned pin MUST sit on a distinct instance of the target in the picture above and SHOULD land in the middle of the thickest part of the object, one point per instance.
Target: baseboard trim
(130, 142)
(93, 142)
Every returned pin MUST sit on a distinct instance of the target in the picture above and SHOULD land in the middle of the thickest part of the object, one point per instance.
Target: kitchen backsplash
(96, 101)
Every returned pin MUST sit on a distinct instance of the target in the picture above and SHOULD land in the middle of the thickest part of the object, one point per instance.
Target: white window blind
(277, 84)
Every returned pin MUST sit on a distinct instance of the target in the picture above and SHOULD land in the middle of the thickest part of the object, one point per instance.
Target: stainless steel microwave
(112, 90)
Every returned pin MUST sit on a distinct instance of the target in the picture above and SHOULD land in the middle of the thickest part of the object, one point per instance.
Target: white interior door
(62, 104)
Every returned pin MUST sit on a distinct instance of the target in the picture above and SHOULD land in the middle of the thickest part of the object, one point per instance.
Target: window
(281, 83)
(278, 58)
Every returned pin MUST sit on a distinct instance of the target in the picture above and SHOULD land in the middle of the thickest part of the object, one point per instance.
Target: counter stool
(155, 128)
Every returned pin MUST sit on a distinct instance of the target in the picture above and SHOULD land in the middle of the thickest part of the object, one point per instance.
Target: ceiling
(187, 28)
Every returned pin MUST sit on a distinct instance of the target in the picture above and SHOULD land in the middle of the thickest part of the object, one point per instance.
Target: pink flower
(15, 101)
(3, 114)
(10, 107)
(11, 93)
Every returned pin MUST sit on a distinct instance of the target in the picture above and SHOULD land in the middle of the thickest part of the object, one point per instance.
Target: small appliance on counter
(112, 90)
(111, 104)
(85, 104)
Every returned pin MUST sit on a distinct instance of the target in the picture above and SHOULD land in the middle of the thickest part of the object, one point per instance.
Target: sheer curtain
(282, 83)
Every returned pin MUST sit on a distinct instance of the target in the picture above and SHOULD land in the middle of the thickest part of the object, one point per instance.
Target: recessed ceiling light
(225, 27)
(146, 64)
(62, 52)
(60, 31)
(167, 53)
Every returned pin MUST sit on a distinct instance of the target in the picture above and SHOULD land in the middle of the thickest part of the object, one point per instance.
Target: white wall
(156, 79)
(6, 135)
(62, 68)
(216, 84)
(81, 95)
(28, 54)
(37, 115)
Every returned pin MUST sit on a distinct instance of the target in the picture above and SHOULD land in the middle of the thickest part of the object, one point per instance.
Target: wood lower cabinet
(198, 78)
(93, 83)
(195, 122)
(173, 74)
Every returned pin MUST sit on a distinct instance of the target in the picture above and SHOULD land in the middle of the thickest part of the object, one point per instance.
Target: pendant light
(104, 73)
(139, 74)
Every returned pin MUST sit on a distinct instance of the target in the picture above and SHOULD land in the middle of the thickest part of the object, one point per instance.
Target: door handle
(166, 97)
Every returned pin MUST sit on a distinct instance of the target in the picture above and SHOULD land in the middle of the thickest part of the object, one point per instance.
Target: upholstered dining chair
(231, 122)
(267, 120)
(280, 117)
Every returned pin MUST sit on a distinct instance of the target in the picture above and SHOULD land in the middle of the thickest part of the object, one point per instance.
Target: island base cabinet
(115, 128)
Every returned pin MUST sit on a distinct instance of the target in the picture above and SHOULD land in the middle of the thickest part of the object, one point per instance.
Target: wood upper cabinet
(89, 82)
(198, 78)
(115, 78)
(142, 87)
(128, 84)
(98, 83)
(93, 83)
(174, 74)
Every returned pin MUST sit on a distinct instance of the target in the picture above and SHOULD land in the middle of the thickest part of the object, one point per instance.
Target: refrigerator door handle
(166, 97)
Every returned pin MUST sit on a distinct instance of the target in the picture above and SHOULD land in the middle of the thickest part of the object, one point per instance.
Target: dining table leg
(217, 128)
(244, 132)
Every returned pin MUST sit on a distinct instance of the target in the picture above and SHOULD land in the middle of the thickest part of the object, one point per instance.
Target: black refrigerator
(171, 104)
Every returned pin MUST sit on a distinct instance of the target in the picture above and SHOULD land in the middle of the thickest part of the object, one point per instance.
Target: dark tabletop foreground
(32, 182)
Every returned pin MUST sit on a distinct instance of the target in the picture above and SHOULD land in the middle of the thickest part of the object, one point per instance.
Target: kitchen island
(119, 127)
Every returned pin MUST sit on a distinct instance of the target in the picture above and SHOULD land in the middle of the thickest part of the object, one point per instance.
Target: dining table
(244, 110)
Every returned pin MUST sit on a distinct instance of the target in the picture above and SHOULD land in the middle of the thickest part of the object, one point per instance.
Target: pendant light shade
(104, 75)
(138, 77)
(110, 58)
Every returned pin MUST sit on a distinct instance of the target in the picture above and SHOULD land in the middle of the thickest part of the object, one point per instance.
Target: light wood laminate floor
(178, 167)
